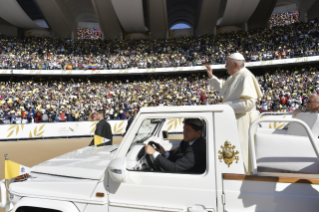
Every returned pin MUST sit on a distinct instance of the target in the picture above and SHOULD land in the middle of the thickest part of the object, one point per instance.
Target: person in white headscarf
(240, 91)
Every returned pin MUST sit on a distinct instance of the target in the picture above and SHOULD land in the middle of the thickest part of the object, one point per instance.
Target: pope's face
(230, 66)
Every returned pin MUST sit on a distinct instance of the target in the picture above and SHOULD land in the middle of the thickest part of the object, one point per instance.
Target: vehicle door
(158, 191)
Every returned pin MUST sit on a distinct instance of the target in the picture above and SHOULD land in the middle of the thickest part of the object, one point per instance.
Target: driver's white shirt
(167, 153)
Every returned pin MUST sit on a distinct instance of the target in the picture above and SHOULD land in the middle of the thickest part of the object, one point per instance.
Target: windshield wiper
(113, 150)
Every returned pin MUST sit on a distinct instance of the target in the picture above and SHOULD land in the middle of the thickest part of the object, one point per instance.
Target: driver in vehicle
(189, 157)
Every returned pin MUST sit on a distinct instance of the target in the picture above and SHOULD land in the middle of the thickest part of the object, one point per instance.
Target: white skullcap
(236, 56)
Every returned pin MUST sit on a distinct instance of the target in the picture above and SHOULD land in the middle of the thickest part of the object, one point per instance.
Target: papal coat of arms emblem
(228, 153)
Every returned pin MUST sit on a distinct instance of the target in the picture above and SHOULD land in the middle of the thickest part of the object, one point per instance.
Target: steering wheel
(149, 158)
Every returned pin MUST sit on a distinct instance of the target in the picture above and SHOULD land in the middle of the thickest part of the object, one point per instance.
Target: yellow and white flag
(13, 169)
(100, 140)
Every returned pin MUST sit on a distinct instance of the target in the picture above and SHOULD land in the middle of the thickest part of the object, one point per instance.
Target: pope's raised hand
(209, 71)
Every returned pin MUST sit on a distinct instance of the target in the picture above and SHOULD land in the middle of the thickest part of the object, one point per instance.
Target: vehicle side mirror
(117, 169)
(165, 134)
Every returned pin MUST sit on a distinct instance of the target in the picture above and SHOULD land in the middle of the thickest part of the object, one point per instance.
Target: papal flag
(100, 140)
(13, 169)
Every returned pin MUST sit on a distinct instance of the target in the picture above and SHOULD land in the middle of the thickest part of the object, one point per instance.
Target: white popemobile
(121, 178)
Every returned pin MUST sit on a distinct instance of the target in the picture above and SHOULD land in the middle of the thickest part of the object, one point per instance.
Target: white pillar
(215, 31)
(305, 18)
(304, 7)
(72, 36)
(52, 33)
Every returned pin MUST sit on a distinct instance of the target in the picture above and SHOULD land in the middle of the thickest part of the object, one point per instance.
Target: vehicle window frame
(183, 173)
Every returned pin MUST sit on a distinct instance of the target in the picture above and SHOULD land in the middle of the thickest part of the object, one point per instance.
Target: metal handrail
(3, 191)
(252, 140)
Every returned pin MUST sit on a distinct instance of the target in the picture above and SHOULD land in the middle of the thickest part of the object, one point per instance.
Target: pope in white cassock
(240, 91)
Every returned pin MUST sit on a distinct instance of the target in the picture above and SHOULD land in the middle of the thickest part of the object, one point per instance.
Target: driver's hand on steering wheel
(161, 149)
(149, 149)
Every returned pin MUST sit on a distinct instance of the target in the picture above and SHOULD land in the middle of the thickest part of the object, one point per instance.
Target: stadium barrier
(71, 129)
(155, 70)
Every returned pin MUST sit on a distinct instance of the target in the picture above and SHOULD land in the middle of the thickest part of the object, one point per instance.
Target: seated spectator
(38, 117)
(13, 117)
(24, 120)
(57, 118)
(6, 121)
(45, 117)
(69, 116)
(62, 116)
(312, 105)
(18, 119)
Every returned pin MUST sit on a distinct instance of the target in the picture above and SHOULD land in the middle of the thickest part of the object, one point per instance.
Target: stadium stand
(87, 33)
(57, 98)
(278, 42)
(76, 99)
(282, 19)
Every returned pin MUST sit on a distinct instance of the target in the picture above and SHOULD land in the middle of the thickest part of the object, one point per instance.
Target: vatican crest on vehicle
(228, 153)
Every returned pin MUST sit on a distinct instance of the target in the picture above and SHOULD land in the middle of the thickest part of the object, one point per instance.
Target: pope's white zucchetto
(236, 56)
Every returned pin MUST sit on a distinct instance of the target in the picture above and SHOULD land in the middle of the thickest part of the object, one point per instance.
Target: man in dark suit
(189, 157)
(130, 118)
(103, 128)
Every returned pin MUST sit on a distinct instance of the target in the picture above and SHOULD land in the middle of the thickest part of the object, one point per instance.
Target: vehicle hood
(88, 163)
(56, 187)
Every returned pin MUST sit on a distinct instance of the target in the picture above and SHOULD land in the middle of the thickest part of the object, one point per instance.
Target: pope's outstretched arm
(216, 83)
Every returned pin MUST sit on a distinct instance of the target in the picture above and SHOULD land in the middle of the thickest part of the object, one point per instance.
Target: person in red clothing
(38, 118)
(283, 100)
(203, 97)
(62, 114)
(24, 114)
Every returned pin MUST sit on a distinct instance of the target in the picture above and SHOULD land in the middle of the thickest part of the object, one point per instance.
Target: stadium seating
(75, 99)
(278, 42)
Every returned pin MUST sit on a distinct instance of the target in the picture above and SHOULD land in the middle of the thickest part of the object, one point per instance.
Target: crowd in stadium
(282, 19)
(76, 99)
(35, 100)
(295, 40)
(89, 33)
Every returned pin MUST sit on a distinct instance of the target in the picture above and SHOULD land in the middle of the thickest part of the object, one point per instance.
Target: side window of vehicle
(181, 149)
